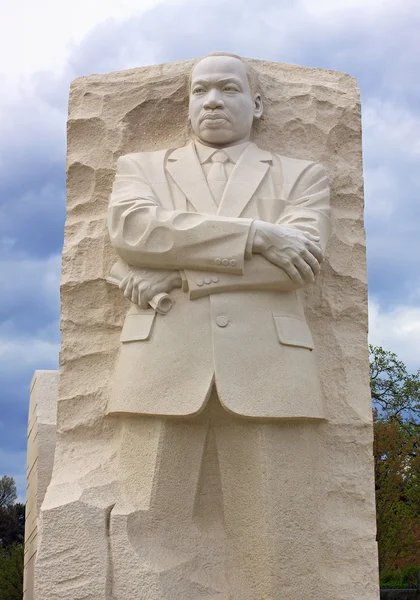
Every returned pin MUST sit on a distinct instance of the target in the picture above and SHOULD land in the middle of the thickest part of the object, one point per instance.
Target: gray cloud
(376, 42)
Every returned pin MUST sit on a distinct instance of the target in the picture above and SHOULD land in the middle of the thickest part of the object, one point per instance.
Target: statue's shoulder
(285, 163)
(149, 165)
(293, 169)
(151, 157)
(292, 164)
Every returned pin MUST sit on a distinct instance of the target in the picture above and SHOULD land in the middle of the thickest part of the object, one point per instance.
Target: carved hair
(252, 75)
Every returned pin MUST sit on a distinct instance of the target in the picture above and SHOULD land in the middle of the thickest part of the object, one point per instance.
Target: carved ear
(258, 106)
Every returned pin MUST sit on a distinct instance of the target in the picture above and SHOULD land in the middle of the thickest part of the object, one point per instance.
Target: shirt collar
(234, 153)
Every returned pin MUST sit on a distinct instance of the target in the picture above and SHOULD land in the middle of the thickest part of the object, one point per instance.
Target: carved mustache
(214, 115)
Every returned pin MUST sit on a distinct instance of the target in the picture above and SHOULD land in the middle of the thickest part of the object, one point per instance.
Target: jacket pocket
(293, 331)
(138, 328)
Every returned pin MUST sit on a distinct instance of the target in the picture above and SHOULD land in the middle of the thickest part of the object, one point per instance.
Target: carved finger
(129, 287)
(158, 288)
(174, 281)
(292, 272)
(311, 236)
(144, 294)
(135, 294)
(305, 270)
(315, 250)
(271, 254)
(177, 283)
(312, 261)
(123, 283)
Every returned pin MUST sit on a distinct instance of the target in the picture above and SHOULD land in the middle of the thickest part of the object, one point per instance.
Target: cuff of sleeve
(250, 242)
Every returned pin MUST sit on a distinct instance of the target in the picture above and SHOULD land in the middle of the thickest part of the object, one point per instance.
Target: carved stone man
(209, 500)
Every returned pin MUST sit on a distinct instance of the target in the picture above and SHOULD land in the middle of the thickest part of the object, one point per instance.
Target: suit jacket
(239, 321)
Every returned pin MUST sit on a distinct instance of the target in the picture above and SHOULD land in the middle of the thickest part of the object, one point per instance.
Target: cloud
(391, 131)
(49, 24)
(28, 212)
(381, 193)
(28, 282)
(29, 340)
(23, 355)
(397, 330)
(20, 356)
(375, 41)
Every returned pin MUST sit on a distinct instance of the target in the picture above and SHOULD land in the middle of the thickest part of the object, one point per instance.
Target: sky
(46, 44)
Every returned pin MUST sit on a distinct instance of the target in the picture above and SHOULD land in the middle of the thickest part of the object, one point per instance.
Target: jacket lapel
(184, 167)
(245, 178)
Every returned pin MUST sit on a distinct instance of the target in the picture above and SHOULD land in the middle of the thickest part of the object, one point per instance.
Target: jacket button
(233, 262)
(215, 279)
(199, 282)
(225, 262)
(207, 280)
(222, 321)
(218, 261)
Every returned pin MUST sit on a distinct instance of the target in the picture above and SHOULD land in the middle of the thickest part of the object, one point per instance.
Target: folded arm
(146, 235)
(279, 263)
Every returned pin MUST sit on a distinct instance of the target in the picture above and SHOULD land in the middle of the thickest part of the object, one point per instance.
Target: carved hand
(296, 252)
(141, 285)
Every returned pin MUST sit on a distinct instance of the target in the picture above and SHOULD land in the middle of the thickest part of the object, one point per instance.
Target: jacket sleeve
(259, 274)
(308, 203)
(146, 235)
(307, 208)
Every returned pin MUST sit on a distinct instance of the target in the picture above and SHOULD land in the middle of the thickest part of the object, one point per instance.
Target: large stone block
(328, 511)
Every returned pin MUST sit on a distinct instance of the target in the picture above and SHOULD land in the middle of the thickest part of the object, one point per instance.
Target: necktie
(217, 175)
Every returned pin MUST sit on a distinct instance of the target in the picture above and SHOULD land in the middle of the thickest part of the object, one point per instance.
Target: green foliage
(12, 531)
(12, 525)
(396, 398)
(397, 478)
(400, 579)
(11, 573)
(395, 392)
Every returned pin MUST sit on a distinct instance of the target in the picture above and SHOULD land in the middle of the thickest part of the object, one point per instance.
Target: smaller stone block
(42, 421)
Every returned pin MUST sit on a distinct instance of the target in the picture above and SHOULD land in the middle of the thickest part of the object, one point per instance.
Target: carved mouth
(216, 117)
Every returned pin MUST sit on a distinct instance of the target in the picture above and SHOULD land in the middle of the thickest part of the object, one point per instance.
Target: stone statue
(234, 233)
(240, 230)
(214, 424)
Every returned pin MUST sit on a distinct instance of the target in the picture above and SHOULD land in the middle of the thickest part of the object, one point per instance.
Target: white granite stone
(211, 504)
(42, 420)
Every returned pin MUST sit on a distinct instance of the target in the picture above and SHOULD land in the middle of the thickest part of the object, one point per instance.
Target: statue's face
(222, 108)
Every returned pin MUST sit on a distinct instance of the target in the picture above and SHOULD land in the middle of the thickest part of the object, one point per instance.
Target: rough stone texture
(40, 458)
(311, 114)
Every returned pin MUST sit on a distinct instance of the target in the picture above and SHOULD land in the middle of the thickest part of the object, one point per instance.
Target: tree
(11, 573)
(395, 392)
(396, 402)
(397, 482)
(8, 493)
(12, 528)
(12, 525)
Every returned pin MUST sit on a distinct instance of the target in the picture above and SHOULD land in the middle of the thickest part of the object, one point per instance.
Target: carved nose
(213, 101)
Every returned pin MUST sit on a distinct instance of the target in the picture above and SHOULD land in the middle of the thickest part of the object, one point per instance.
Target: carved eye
(231, 88)
(199, 90)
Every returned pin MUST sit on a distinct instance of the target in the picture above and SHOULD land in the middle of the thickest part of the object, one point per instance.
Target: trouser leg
(269, 488)
(159, 550)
